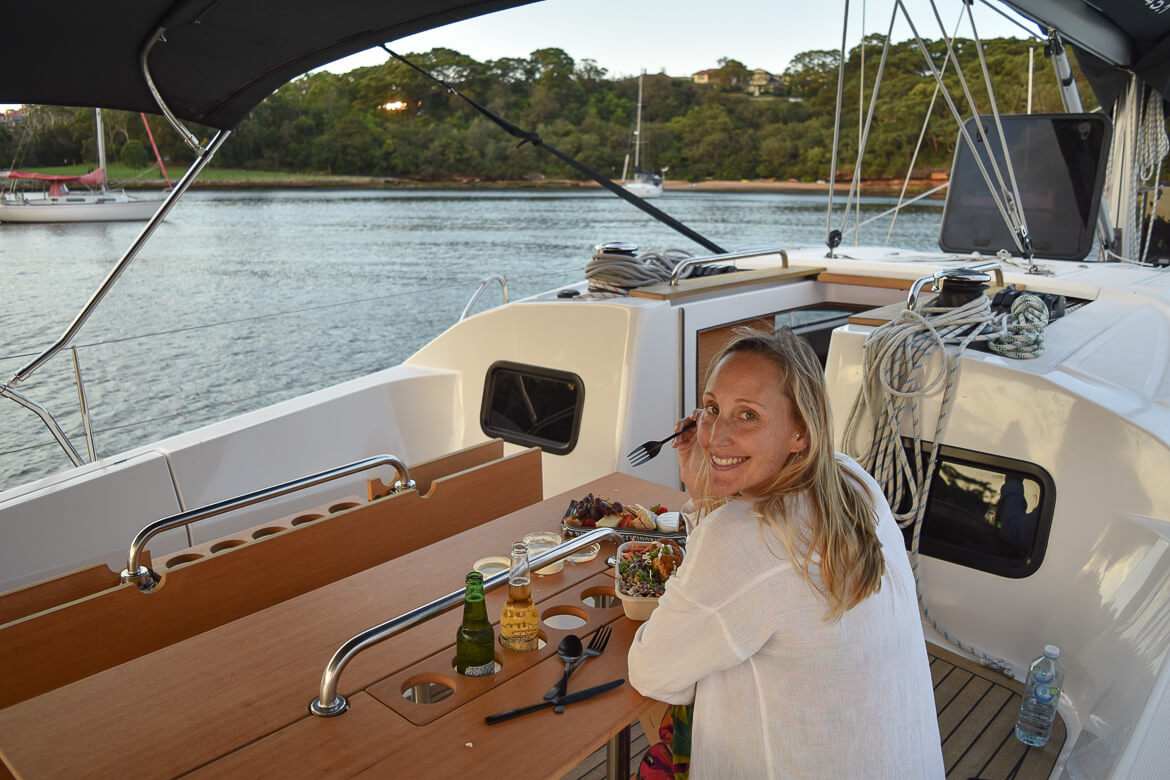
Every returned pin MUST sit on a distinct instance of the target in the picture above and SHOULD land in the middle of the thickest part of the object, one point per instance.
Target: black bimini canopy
(219, 59)
(1129, 34)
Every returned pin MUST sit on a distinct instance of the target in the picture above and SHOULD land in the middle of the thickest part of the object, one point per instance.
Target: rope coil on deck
(620, 272)
(906, 360)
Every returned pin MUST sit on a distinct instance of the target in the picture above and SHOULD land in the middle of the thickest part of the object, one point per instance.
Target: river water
(244, 299)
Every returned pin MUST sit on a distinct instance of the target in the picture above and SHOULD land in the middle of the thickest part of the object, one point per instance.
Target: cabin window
(815, 323)
(986, 512)
(532, 406)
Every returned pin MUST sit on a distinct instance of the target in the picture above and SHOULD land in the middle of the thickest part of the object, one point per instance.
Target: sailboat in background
(645, 184)
(59, 204)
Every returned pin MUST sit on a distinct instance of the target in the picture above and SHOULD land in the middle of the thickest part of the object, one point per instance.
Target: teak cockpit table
(233, 701)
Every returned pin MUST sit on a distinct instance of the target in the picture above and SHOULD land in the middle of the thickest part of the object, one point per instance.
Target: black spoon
(570, 650)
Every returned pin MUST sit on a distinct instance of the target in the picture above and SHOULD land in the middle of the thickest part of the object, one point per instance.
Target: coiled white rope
(620, 272)
(1024, 338)
(896, 361)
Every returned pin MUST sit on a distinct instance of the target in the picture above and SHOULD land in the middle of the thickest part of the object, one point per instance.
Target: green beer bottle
(475, 643)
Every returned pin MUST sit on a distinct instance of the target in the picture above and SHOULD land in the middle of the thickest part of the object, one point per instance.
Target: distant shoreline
(872, 187)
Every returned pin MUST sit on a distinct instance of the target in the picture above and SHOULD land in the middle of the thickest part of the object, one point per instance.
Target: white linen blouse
(778, 691)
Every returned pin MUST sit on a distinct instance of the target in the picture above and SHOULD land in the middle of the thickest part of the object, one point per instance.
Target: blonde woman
(792, 625)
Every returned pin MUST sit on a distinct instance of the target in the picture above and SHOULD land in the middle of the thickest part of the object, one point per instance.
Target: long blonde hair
(840, 540)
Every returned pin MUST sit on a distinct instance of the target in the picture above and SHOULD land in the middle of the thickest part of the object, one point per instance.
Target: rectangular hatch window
(532, 406)
(986, 512)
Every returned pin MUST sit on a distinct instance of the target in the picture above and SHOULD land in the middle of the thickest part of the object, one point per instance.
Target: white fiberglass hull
(88, 207)
(643, 189)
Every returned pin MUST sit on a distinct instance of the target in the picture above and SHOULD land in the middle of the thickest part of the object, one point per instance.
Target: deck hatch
(532, 406)
(986, 512)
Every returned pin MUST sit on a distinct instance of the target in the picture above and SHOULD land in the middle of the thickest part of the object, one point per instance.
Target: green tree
(133, 153)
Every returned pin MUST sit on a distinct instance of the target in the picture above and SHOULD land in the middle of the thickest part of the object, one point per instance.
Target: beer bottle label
(480, 671)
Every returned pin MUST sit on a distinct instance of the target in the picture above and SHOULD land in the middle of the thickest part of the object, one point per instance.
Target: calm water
(241, 300)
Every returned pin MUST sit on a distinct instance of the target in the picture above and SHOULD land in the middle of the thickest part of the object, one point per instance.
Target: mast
(101, 144)
(638, 125)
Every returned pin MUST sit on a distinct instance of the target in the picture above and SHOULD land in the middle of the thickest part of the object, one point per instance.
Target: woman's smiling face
(746, 429)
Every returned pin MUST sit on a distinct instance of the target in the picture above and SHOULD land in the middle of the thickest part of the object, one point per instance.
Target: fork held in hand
(596, 647)
(640, 455)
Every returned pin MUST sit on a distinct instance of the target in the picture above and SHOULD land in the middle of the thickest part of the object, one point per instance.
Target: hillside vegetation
(390, 121)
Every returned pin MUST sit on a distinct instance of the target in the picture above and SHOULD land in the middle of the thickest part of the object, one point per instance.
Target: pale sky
(679, 37)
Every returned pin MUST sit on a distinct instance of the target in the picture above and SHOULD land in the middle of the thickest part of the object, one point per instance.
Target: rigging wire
(273, 315)
(1014, 21)
(830, 239)
(1011, 208)
(995, 196)
(921, 136)
(894, 209)
(529, 136)
(1011, 169)
(863, 133)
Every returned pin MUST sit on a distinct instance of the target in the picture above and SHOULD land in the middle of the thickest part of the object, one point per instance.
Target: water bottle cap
(1052, 651)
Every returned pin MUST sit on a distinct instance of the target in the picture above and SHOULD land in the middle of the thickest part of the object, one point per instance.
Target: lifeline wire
(895, 361)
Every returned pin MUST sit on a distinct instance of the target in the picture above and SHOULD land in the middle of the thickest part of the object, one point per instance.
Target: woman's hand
(689, 451)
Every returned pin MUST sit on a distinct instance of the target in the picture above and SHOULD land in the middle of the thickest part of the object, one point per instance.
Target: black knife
(566, 699)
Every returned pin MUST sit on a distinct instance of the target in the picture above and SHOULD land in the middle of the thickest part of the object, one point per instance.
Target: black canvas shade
(220, 57)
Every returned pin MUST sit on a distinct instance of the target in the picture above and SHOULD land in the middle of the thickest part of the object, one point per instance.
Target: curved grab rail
(933, 279)
(142, 575)
(372, 636)
(685, 265)
(503, 280)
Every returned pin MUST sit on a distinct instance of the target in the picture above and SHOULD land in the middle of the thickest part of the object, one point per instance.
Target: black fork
(640, 455)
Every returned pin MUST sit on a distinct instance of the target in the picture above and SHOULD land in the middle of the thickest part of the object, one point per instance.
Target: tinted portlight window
(533, 406)
(987, 512)
(1059, 164)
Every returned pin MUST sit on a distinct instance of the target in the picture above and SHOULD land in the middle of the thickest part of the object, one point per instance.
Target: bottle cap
(1052, 651)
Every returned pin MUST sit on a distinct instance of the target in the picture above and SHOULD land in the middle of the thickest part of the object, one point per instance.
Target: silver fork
(596, 647)
(640, 455)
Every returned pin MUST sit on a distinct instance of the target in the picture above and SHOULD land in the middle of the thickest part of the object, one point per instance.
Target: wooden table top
(233, 700)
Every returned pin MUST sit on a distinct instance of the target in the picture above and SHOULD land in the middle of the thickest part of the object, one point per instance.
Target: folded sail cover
(90, 179)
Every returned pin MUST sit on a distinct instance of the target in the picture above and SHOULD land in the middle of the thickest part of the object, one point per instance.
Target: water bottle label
(1046, 693)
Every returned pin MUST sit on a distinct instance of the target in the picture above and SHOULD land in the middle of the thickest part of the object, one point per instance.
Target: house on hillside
(762, 82)
(758, 82)
(14, 117)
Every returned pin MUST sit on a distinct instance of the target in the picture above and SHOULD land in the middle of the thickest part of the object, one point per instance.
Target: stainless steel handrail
(676, 274)
(143, 576)
(503, 280)
(372, 636)
(933, 279)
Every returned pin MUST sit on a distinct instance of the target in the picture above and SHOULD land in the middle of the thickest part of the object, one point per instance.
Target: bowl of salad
(640, 575)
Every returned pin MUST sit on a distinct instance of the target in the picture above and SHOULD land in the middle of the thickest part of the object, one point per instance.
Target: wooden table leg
(617, 756)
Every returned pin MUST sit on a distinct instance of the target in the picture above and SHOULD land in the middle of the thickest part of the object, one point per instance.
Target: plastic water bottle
(1041, 694)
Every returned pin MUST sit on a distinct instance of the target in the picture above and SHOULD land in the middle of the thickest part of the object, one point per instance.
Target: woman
(792, 625)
